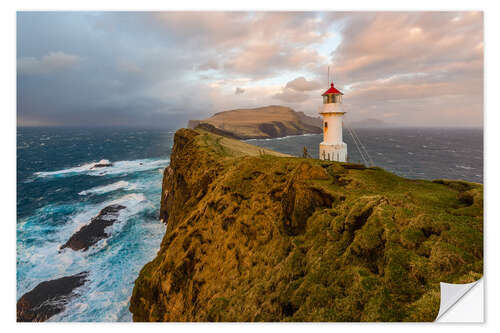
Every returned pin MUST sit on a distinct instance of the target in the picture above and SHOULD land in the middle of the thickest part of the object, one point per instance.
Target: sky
(163, 68)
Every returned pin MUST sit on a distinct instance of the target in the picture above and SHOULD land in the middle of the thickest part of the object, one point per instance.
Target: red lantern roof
(332, 90)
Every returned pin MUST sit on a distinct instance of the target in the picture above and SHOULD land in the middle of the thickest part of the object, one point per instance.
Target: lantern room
(332, 95)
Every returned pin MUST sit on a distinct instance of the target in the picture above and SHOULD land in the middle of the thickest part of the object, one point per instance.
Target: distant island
(272, 121)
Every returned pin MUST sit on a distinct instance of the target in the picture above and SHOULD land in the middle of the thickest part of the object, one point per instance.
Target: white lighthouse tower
(332, 148)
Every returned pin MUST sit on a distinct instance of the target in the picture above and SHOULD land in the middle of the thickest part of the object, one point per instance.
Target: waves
(44, 239)
(109, 168)
(464, 167)
(113, 263)
(408, 152)
(109, 188)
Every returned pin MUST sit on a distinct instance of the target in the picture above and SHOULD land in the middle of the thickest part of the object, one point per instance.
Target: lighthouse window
(326, 124)
(325, 99)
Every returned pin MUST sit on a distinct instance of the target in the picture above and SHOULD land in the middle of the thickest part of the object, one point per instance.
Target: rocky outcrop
(93, 232)
(259, 123)
(212, 129)
(101, 164)
(48, 298)
(255, 236)
(193, 123)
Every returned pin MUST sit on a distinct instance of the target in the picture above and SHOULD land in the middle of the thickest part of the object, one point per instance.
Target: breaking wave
(109, 188)
(110, 261)
(115, 168)
(464, 167)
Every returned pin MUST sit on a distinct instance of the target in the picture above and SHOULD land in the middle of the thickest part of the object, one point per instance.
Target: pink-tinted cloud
(377, 45)
(394, 65)
(302, 84)
(384, 58)
(291, 96)
(258, 44)
(419, 67)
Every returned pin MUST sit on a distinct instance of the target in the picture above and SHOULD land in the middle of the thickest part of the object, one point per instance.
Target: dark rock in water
(102, 164)
(48, 298)
(93, 232)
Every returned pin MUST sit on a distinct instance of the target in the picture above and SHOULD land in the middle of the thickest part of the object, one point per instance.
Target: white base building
(333, 152)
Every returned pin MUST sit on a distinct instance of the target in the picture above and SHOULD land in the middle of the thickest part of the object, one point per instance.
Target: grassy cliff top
(254, 235)
(228, 147)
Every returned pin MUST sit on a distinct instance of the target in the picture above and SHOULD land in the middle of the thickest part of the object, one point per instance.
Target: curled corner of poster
(461, 303)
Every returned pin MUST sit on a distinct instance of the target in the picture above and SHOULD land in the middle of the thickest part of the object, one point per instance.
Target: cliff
(254, 235)
(259, 123)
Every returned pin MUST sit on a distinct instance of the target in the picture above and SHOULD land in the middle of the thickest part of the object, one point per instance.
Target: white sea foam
(464, 167)
(119, 167)
(113, 267)
(113, 263)
(109, 188)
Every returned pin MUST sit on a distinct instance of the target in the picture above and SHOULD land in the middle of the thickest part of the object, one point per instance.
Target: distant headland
(271, 121)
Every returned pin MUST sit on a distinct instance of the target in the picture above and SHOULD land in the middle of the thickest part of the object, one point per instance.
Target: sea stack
(332, 148)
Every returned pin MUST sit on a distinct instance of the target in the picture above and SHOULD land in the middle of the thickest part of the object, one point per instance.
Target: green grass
(254, 235)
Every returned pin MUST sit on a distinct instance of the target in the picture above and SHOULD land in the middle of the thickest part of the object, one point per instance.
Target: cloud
(419, 68)
(377, 45)
(210, 64)
(416, 66)
(291, 96)
(301, 84)
(53, 61)
(128, 67)
(258, 44)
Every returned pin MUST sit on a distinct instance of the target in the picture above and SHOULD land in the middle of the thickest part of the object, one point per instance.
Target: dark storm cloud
(94, 69)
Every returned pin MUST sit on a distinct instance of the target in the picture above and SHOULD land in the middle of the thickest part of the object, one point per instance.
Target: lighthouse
(332, 148)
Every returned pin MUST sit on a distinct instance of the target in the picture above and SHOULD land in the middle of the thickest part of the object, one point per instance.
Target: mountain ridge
(271, 121)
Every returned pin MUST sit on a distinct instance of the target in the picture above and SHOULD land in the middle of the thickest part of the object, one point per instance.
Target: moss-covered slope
(254, 235)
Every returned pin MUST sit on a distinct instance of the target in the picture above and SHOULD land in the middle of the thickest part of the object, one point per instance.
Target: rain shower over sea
(59, 190)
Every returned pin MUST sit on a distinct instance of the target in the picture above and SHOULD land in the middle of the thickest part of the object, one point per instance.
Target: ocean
(419, 153)
(58, 192)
